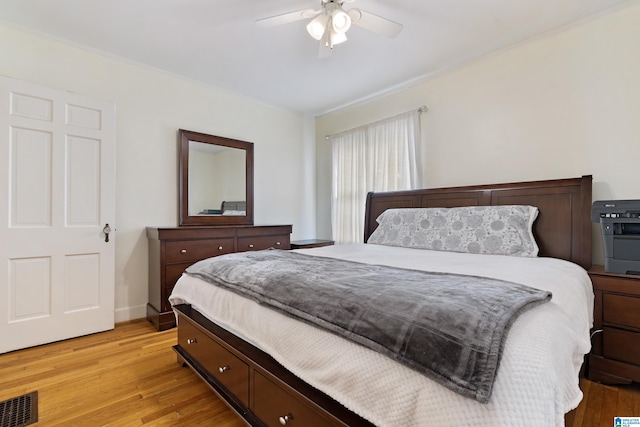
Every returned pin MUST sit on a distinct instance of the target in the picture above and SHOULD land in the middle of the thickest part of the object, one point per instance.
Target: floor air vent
(19, 411)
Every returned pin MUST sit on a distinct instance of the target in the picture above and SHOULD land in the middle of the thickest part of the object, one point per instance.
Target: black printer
(620, 226)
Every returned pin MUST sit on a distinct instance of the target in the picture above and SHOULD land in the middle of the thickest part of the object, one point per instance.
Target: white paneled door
(57, 194)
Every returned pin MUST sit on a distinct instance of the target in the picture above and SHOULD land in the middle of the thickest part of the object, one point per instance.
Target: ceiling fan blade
(285, 18)
(375, 23)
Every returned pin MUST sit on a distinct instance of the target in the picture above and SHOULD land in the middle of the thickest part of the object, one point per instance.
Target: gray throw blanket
(449, 327)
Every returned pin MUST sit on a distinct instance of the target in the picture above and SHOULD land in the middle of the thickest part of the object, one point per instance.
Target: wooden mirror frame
(184, 136)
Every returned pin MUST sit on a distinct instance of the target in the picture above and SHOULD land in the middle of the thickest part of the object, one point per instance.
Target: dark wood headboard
(233, 206)
(562, 229)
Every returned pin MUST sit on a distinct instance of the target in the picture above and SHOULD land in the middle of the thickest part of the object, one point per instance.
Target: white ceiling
(218, 42)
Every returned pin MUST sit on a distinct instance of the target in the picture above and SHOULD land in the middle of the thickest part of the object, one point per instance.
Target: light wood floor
(125, 377)
(129, 377)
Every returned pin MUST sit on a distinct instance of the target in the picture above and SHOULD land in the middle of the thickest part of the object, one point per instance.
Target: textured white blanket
(537, 381)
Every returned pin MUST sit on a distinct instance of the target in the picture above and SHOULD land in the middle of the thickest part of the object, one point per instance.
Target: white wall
(560, 106)
(151, 106)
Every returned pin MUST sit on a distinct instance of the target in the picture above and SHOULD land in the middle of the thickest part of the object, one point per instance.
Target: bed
(275, 370)
(234, 208)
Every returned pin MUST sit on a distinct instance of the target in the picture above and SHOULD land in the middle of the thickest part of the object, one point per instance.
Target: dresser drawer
(621, 310)
(257, 243)
(230, 371)
(277, 407)
(173, 273)
(195, 250)
(621, 345)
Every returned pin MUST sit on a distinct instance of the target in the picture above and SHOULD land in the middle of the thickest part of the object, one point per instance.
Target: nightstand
(310, 243)
(615, 355)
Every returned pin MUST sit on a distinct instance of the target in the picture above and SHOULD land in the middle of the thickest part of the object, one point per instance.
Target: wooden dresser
(615, 356)
(173, 249)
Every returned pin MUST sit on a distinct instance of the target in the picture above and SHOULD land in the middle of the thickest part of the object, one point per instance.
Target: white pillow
(231, 212)
(496, 230)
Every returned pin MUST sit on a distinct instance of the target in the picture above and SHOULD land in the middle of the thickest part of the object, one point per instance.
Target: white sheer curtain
(380, 156)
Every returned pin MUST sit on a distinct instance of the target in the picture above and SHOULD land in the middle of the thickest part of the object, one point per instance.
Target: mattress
(536, 383)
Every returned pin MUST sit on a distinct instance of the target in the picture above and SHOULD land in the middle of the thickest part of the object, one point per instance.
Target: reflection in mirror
(216, 180)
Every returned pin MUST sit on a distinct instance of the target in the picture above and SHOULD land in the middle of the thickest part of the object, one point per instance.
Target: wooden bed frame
(259, 389)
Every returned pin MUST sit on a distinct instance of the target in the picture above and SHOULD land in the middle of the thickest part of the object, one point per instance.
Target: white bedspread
(537, 382)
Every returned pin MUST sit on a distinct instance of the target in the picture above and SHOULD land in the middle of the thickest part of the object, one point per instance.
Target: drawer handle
(183, 251)
(251, 246)
(223, 369)
(285, 419)
(219, 248)
(192, 341)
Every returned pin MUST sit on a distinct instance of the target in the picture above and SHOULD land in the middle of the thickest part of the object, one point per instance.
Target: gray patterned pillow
(497, 230)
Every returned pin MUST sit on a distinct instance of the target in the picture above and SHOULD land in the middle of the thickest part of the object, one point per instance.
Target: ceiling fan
(330, 23)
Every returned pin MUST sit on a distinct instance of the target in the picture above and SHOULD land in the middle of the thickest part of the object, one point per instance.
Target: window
(380, 156)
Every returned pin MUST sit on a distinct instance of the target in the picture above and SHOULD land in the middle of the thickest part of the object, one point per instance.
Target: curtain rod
(421, 109)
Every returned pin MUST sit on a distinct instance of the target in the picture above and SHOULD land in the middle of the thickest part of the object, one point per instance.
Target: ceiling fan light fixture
(330, 24)
(317, 26)
(340, 21)
(354, 14)
(337, 38)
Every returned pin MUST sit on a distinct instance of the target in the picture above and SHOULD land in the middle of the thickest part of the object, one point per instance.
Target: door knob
(106, 230)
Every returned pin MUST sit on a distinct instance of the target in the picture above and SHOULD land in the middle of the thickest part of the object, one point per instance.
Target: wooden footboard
(250, 381)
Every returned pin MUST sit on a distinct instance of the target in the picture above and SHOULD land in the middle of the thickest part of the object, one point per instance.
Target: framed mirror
(215, 180)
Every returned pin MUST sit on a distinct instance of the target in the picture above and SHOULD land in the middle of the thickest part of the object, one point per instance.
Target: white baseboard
(130, 313)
